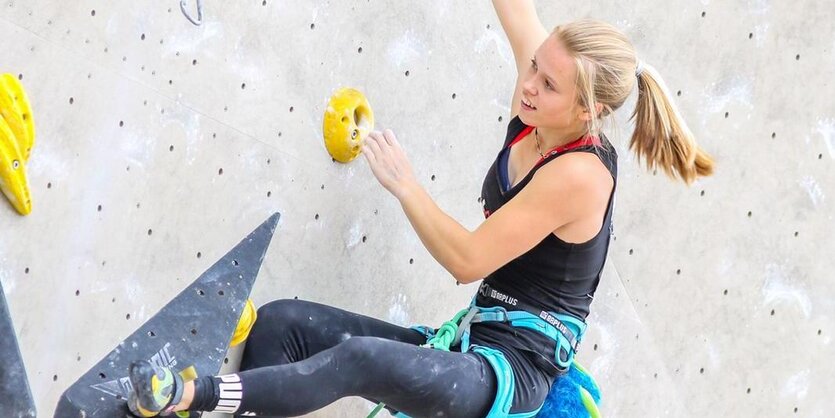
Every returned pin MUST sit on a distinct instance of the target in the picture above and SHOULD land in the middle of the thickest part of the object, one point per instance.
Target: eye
(533, 64)
(15, 164)
(548, 85)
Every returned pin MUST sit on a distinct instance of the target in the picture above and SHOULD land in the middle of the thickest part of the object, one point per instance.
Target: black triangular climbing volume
(195, 328)
(15, 396)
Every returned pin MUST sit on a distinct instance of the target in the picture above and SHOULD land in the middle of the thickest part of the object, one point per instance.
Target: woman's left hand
(388, 162)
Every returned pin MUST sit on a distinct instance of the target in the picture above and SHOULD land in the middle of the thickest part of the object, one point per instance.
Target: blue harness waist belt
(566, 330)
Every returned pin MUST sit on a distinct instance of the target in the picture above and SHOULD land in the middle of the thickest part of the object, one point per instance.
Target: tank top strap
(516, 130)
(586, 141)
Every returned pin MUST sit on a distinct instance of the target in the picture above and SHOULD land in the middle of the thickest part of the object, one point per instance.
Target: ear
(585, 115)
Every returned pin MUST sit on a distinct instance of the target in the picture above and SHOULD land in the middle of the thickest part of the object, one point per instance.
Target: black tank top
(553, 275)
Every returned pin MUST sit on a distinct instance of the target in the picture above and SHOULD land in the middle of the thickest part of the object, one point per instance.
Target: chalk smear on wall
(713, 354)
(759, 34)
(776, 288)
(731, 91)
(759, 6)
(608, 347)
(496, 37)
(813, 189)
(406, 49)
(193, 41)
(190, 123)
(398, 311)
(797, 385)
(353, 236)
(826, 129)
(136, 149)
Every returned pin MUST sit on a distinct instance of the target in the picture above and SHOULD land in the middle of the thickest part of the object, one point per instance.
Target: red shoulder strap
(521, 135)
(582, 142)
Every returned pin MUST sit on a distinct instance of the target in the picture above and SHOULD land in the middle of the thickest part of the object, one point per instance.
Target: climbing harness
(199, 20)
(566, 330)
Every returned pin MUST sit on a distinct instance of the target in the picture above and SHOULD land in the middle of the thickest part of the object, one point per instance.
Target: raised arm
(525, 33)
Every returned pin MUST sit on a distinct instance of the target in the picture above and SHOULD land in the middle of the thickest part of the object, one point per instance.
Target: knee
(285, 311)
(277, 317)
(277, 337)
(361, 351)
(278, 308)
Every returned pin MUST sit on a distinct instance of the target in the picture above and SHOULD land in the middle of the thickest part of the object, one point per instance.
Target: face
(549, 86)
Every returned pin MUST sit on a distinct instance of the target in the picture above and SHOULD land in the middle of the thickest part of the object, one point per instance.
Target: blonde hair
(606, 65)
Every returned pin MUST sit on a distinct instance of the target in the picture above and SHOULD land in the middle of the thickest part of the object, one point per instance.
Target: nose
(528, 87)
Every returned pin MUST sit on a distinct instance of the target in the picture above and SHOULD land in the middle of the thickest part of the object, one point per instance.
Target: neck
(551, 138)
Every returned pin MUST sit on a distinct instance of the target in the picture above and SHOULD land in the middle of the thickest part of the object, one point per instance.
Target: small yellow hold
(348, 120)
(248, 317)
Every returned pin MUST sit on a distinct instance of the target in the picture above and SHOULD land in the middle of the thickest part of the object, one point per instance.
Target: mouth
(527, 105)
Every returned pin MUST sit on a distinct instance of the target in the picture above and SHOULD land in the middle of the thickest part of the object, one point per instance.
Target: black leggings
(302, 356)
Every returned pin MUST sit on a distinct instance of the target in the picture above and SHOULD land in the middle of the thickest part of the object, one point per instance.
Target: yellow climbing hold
(13, 100)
(13, 181)
(248, 317)
(17, 133)
(348, 120)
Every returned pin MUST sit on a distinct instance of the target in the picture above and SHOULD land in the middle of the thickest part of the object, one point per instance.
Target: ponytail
(661, 137)
(606, 74)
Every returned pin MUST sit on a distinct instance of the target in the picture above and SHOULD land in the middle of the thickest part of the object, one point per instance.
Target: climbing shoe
(156, 390)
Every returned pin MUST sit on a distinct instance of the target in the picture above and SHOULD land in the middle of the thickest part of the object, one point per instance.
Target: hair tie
(639, 69)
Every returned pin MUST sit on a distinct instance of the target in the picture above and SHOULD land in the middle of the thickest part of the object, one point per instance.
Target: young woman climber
(539, 253)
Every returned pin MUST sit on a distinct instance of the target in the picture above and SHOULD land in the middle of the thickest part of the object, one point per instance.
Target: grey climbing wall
(160, 141)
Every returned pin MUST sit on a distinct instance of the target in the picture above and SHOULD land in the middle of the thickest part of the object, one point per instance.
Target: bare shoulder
(581, 173)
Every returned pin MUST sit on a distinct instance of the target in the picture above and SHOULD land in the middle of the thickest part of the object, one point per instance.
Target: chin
(525, 119)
